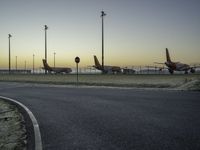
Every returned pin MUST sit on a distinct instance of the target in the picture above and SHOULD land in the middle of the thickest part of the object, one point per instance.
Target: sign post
(77, 60)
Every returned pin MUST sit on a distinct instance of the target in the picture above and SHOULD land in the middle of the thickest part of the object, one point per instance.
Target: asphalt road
(73, 118)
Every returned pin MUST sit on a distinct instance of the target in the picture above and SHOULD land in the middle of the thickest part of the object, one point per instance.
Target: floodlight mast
(16, 63)
(33, 63)
(102, 16)
(9, 36)
(54, 60)
(45, 28)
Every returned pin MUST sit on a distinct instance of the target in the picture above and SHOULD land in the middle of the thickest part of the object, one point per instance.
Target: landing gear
(192, 70)
(104, 71)
(186, 72)
(171, 71)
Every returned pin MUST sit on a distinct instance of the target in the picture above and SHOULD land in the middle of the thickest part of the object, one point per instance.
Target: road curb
(36, 129)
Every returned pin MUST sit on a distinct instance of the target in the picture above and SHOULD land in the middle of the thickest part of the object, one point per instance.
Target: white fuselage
(177, 66)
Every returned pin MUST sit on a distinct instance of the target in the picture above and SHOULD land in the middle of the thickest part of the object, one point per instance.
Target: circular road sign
(77, 59)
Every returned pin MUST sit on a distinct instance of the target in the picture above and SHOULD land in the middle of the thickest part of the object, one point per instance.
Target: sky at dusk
(136, 31)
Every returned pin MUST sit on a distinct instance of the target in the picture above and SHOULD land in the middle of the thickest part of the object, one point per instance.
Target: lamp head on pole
(103, 13)
(45, 27)
(9, 35)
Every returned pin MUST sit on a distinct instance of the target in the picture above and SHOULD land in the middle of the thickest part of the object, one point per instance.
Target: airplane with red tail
(55, 69)
(177, 66)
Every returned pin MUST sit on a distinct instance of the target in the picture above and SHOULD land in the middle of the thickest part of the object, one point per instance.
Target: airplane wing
(157, 68)
(195, 66)
(159, 63)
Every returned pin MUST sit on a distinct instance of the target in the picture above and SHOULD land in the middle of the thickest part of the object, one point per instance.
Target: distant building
(19, 71)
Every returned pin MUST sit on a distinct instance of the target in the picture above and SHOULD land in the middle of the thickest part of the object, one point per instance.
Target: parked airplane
(55, 69)
(177, 66)
(128, 71)
(106, 69)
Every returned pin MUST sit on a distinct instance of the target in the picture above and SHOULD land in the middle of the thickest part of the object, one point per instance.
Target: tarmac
(111, 118)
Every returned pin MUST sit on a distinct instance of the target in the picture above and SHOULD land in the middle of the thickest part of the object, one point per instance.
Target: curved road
(111, 119)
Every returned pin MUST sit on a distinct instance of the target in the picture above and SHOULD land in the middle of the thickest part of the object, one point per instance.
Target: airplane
(177, 66)
(128, 71)
(106, 69)
(55, 69)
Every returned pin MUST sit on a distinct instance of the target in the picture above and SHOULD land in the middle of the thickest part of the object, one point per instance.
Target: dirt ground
(12, 128)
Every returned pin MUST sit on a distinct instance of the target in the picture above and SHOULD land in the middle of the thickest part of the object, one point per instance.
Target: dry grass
(139, 81)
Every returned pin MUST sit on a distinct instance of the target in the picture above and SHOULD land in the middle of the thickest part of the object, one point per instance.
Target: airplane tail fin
(168, 56)
(97, 64)
(46, 66)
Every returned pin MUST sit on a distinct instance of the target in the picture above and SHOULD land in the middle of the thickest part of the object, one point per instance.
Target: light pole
(54, 62)
(9, 36)
(45, 28)
(33, 63)
(25, 65)
(102, 16)
(16, 62)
